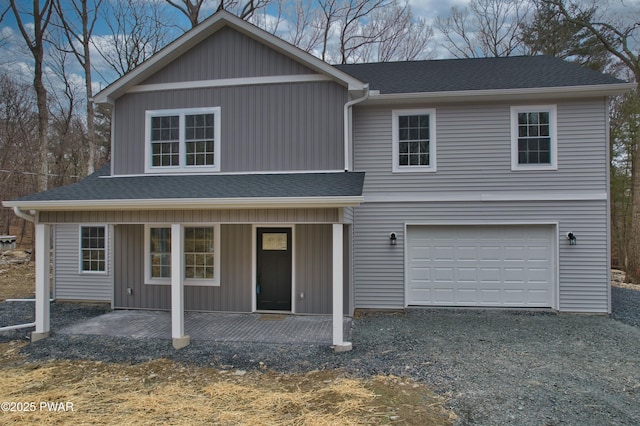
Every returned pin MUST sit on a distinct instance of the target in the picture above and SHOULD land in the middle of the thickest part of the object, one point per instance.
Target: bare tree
(138, 30)
(68, 134)
(350, 30)
(485, 28)
(77, 21)
(19, 170)
(351, 35)
(192, 8)
(401, 36)
(621, 40)
(330, 10)
(295, 21)
(35, 42)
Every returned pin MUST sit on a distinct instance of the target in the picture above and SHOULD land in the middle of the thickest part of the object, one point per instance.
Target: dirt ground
(17, 275)
(161, 391)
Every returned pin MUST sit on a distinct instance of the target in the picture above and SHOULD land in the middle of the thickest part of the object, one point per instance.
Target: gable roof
(203, 30)
(99, 191)
(515, 73)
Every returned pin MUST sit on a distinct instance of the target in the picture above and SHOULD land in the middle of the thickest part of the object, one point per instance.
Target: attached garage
(481, 265)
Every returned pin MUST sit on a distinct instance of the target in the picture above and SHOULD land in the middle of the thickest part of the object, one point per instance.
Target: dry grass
(162, 392)
(159, 392)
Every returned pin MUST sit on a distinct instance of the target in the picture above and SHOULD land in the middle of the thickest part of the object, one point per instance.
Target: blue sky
(15, 59)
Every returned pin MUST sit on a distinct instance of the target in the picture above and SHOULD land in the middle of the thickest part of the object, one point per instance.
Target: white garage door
(505, 265)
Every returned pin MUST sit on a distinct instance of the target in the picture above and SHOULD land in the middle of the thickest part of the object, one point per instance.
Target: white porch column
(338, 273)
(43, 259)
(177, 289)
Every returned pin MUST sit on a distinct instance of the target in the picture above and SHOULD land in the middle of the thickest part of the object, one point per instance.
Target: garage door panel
(511, 275)
(466, 274)
(443, 275)
(490, 275)
(480, 265)
(445, 253)
(467, 253)
(443, 295)
(468, 295)
(489, 297)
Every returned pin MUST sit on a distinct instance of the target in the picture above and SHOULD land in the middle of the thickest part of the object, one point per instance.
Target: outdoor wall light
(572, 238)
(393, 239)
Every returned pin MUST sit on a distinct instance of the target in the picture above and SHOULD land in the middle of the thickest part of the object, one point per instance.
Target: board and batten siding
(313, 272)
(249, 216)
(69, 282)
(233, 294)
(227, 54)
(277, 127)
(379, 268)
(473, 150)
(314, 269)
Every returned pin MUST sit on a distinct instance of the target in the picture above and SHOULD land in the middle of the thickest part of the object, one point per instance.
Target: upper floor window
(93, 249)
(414, 140)
(533, 138)
(183, 140)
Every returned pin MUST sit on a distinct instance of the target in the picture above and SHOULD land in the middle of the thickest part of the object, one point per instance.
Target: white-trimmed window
(200, 250)
(93, 249)
(414, 140)
(182, 140)
(534, 141)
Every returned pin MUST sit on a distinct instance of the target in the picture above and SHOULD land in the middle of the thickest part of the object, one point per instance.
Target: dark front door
(273, 280)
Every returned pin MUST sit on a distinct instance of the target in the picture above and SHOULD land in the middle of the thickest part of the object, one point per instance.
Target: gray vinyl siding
(314, 269)
(320, 215)
(227, 54)
(279, 127)
(233, 294)
(583, 274)
(69, 282)
(473, 150)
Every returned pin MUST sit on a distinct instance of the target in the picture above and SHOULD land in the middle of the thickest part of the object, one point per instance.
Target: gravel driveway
(496, 367)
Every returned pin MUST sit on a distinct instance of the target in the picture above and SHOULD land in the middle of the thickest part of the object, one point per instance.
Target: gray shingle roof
(95, 187)
(514, 72)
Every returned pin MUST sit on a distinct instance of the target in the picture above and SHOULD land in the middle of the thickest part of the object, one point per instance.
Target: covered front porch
(199, 242)
(175, 295)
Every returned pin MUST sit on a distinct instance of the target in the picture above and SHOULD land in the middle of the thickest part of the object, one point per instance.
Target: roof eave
(191, 203)
(201, 32)
(505, 94)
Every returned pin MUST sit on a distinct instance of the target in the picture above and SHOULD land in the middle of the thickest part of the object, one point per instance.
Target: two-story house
(248, 176)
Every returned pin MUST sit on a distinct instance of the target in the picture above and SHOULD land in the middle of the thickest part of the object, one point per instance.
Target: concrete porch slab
(219, 327)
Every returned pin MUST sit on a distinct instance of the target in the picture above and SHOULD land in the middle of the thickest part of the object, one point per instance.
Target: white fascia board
(190, 203)
(488, 196)
(503, 94)
(202, 31)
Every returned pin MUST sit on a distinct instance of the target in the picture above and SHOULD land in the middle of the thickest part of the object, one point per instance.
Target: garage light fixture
(572, 238)
(393, 239)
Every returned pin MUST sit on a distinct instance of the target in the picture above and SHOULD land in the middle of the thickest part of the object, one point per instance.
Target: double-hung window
(534, 137)
(200, 252)
(414, 140)
(183, 140)
(93, 245)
